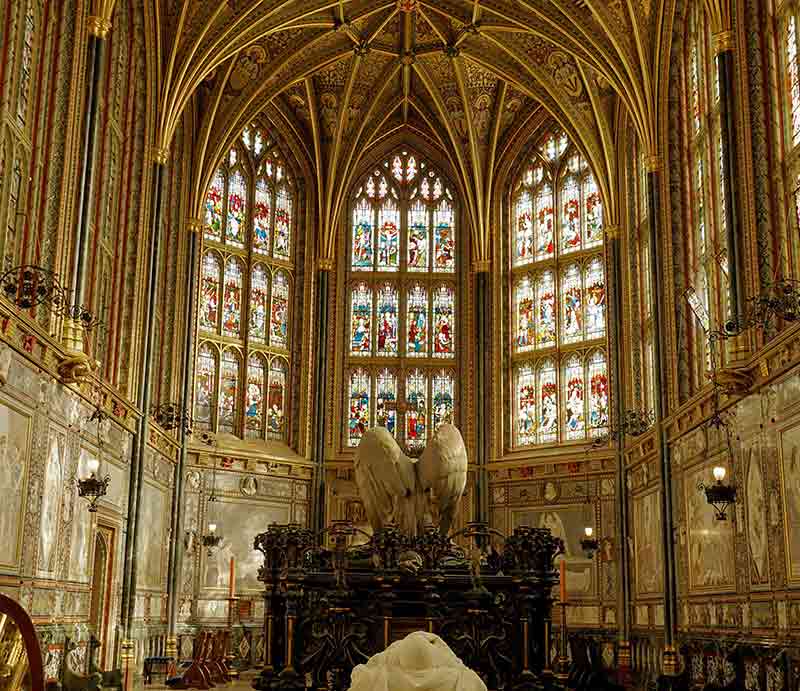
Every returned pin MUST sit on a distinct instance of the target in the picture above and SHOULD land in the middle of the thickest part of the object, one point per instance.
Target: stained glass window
(245, 289)
(387, 320)
(232, 298)
(418, 237)
(259, 289)
(443, 398)
(558, 295)
(205, 384)
(254, 408)
(793, 78)
(25, 67)
(361, 320)
(229, 392)
(209, 292)
(443, 312)
(598, 394)
(389, 236)
(417, 409)
(386, 403)
(362, 237)
(417, 322)
(444, 238)
(359, 418)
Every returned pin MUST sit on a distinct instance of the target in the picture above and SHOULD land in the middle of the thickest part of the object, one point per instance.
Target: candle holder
(230, 657)
(562, 664)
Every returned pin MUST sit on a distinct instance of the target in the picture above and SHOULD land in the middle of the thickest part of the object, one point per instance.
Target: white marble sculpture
(420, 662)
(403, 490)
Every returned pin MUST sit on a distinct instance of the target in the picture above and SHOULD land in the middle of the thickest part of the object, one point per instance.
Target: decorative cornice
(653, 163)
(325, 264)
(482, 266)
(194, 225)
(98, 26)
(722, 42)
(159, 156)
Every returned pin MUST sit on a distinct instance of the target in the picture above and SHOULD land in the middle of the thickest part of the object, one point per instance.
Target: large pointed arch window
(558, 295)
(403, 303)
(245, 294)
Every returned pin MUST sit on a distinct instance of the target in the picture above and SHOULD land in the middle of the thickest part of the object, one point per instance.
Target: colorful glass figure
(387, 320)
(595, 299)
(237, 209)
(389, 236)
(232, 299)
(209, 293)
(229, 392)
(359, 406)
(571, 216)
(417, 322)
(386, 401)
(397, 169)
(411, 169)
(283, 224)
(362, 258)
(443, 396)
(361, 320)
(416, 420)
(259, 289)
(254, 408)
(546, 311)
(261, 217)
(526, 323)
(793, 77)
(574, 399)
(545, 245)
(598, 394)
(276, 400)
(593, 213)
(548, 403)
(205, 379)
(418, 237)
(524, 235)
(443, 309)
(443, 238)
(572, 297)
(526, 405)
(214, 197)
(279, 311)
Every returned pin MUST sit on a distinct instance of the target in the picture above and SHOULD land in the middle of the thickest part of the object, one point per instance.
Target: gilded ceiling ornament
(248, 67)
(565, 73)
(407, 5)
(329, 109)
(481, 110)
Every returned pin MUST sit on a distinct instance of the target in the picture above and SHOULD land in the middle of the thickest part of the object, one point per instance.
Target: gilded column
(77, 364)
(658, 310)
(139, 446)
(482, 399)
(176, 544)
(324, 269)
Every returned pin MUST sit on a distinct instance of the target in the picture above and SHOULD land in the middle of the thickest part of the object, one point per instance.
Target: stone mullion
(324, 269)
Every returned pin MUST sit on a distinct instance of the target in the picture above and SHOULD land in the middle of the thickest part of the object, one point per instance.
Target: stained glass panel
(593, 213)
(359, 406)
(699, 202)
(279, 311)
(283, 224)
(389, 236)
(526, 405)
(259, 289)
(545, 311)
(261, 217)
(443, 310)
(254, 408)
(418, 237)
(443, 238)
(524, 235)
(397, 169)
(595, 299)
(443, 397)
(276, 400)
(237, 208)
(598, 394)
(570, 216)
(361, 320)
(417, 409)
(386, 401)
(362, 259)
(547, 388)
(526, 323)
(388, 311)
(205, 382)
(232, 298)
(417, 318)
(229, 392)
(214, 196)
(574, 399)
(694, 86)
(411, 168)
(545, 246)
(209, 292)
(793, 77)
(572, 305)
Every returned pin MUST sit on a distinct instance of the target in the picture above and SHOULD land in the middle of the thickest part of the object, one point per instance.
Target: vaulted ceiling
(470, 77)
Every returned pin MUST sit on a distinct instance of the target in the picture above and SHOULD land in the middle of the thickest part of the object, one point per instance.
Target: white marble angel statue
(406, 491)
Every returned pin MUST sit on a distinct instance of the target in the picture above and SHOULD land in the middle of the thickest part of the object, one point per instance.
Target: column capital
(722, 41)
(482, 266)
(653, 163)
(612, 232)
(159, 156)
(98, 26)
(325, 264)
(194, 225)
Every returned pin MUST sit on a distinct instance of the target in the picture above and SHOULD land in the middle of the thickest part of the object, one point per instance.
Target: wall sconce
(589, 543)
(211, 539)
(718, 494)
(93, 487)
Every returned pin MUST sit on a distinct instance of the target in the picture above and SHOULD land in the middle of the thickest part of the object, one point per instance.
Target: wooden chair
(20, 654)
(197, 676)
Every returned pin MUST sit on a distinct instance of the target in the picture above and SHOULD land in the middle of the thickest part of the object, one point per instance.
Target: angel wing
(386, 481)
(442, 471)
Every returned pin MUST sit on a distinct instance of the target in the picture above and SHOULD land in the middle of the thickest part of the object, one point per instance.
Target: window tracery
(247, 245)
(403, 307)
(558, 295)
(787, 139)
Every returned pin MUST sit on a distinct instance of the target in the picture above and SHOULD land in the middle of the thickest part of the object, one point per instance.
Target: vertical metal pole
(481, 395)
(320, 380)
